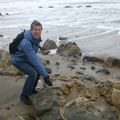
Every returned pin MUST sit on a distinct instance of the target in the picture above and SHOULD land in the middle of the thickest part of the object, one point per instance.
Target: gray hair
(35, 23)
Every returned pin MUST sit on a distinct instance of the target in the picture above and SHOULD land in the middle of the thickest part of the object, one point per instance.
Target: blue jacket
(27, 53)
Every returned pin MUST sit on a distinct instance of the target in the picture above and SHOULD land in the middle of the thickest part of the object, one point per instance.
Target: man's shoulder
(25, 44)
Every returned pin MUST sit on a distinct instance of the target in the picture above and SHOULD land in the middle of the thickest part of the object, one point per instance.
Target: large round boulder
(71, 48)
(49, 44)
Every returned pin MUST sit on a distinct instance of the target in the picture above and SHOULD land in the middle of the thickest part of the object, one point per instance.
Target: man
(27, 61)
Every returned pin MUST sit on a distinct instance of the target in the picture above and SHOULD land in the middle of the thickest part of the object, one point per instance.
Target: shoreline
(99, 42)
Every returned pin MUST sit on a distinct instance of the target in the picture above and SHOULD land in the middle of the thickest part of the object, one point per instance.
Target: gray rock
(67, 7)
(69, 49)
(92, 59)
(105, 71)
(46, 104)
(63, 38)
(49, 44)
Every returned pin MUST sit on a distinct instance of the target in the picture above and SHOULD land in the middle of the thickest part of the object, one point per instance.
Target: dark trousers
(31, 80)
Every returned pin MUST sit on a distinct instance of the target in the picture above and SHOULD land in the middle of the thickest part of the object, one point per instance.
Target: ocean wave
(70, 13)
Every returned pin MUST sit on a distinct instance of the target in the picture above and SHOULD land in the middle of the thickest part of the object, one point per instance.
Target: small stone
(82, 68)
(87, 95)
(88, 6)
(48, 62)
(7, 14)
(92, 68)
(57, 63)
(1, 35)
(105, 71)
(7, 108)
(79, 73)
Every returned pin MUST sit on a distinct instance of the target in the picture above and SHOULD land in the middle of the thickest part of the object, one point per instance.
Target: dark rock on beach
(92, 59)
(79, 6)
(68, 7)
(49, 44)
(92, 68)
(1, 35)
(88, 6)
(40, 7)
(50, 7)
(62, 38)
(105, 71)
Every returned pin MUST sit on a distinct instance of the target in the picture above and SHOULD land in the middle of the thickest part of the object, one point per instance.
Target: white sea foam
(21, 13)
(53, 51)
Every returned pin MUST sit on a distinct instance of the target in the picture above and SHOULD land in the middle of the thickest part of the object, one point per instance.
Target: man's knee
(33, 74)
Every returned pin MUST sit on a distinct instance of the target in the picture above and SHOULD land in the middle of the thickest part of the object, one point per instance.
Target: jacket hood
(28, 35)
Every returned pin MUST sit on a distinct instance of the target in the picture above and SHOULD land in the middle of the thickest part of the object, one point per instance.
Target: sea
(99, 13)
(93, 24)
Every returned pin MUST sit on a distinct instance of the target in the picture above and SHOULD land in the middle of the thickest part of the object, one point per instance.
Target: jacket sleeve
(33, 59)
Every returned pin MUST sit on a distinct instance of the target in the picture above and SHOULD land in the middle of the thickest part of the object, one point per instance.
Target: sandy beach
(102, 43)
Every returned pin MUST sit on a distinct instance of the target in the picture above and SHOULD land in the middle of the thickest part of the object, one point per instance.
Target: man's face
(36, 31)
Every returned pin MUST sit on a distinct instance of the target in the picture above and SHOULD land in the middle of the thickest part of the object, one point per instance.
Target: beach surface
(98, 42)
